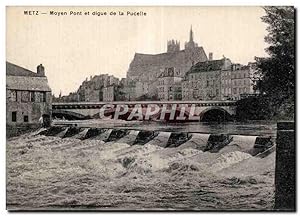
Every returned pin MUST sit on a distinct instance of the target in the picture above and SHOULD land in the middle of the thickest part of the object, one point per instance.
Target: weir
(213, 143)
(116, 134)
(82, 134)
(93, 132)
(130, 138)
(197, 141)
(72, 131)
(176, 139)
(161, 139)
(104, 135)
(62, 133)
(145, 136)
(240, 143)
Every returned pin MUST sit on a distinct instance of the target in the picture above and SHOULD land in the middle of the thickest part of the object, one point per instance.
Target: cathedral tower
(191, 44)
(173, 46)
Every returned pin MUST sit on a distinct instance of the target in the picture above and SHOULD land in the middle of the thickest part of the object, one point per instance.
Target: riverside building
(28, 97)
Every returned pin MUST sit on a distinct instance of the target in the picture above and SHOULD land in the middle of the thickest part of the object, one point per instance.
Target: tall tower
(173, 46)
(191, 44)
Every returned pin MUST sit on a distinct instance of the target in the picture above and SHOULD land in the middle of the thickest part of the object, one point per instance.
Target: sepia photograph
(150, 108)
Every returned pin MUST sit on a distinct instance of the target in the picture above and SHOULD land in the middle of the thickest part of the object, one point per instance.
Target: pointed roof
(191, 34)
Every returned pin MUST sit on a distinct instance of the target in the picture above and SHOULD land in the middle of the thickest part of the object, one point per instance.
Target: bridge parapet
(173, 109)
(95, 105)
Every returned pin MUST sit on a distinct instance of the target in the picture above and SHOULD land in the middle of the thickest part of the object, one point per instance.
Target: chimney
(40, 70)
(210, 56)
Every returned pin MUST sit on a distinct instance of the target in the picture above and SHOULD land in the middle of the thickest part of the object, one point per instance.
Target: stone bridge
(147, 110)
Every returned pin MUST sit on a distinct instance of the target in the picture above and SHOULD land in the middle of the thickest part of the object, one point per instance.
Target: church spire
(191, 34)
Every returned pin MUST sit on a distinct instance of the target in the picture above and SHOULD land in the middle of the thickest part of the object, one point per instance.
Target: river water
(255, 128)
(48, 172)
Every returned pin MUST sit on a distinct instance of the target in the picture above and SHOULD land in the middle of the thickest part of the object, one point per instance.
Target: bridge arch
(215, 114)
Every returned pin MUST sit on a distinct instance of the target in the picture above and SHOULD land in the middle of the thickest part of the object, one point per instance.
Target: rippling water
(240, 128)
(53, 173)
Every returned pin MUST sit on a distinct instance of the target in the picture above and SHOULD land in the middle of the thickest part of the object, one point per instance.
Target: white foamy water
(240, 143)
(130, 138)
(161, 139)
(54, 173)
(197, 141)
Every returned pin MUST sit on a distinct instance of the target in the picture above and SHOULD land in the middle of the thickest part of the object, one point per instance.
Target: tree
(277, 72)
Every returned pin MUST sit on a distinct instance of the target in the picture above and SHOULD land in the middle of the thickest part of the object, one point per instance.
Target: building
(169, 85)
(141, 89)
(109, 93)
(240, 80)
(28, 97)
(92, 89)
(147, 68)
(217, 80)
(128, 87)
(203, 80)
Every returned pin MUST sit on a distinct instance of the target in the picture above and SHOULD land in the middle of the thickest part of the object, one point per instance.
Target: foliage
(254, 108)
(277, 72)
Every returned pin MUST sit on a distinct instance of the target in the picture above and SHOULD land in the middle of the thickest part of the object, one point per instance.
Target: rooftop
(19, 78)
(207, 66)
(15, 70)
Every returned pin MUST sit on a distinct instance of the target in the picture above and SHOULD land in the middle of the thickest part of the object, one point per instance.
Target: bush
(254, 108)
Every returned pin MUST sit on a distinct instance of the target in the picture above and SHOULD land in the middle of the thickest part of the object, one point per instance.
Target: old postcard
(150, 108)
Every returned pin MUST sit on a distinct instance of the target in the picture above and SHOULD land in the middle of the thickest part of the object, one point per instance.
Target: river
(49, 172)
(256, 128)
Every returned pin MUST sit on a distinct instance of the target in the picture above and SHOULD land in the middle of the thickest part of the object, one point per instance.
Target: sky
(74, 47)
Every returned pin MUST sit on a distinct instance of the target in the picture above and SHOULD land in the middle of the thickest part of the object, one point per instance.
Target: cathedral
(148, 67)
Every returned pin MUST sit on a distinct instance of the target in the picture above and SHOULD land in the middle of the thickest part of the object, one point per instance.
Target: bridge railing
(232, 103)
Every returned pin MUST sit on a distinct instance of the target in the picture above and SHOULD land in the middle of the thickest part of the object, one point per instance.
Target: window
(25, 118)
(25, 96)
(13, 95)
(14, 116)
(32, 96)
(43, 96)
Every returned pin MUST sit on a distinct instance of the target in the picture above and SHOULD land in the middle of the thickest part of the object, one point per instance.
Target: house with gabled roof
(28, 98)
